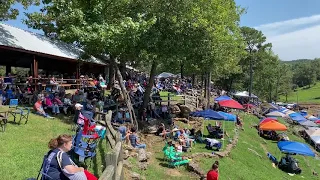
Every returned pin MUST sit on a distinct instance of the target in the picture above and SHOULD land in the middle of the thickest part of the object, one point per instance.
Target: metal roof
(17, 38)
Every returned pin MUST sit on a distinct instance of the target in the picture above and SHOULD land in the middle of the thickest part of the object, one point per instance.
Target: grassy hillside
(243, 164)
(304, 95)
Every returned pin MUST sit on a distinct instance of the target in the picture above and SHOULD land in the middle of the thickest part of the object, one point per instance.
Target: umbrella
(267, 120)
(272, 126)
(295, 147)
(230, 104)
(275, 114)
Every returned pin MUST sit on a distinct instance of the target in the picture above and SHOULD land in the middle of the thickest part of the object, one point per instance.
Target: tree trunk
(201, 89)
(209, 90)
(111, 75)
(181, 70)
(122, 68)
(205, 85)
(146, 97)
(125, 94)
(193, 80)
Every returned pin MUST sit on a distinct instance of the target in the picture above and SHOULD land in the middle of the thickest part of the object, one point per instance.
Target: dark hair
(59, 141)
(215, 165)
(133, 129)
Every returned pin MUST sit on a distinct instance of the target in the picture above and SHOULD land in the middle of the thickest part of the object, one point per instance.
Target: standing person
(213, 174)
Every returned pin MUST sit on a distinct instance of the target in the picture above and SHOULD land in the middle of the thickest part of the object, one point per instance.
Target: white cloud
(295, 38)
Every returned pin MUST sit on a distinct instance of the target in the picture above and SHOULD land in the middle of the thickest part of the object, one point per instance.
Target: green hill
(242, 163)
(304, 95)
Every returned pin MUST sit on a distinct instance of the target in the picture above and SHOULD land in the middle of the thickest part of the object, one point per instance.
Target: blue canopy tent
(228, 116)
(297, 117)
(210, 114)
(207, 114)
(222, 98)
(295, 147)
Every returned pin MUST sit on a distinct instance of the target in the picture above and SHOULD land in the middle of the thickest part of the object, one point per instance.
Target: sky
(292, 26)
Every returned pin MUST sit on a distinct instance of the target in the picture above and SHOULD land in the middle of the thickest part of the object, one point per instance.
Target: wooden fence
(114, 158)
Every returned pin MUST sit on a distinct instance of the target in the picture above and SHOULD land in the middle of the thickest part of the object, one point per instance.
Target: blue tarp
(228, 116)
(295, 147)
(222, 98)
(297, 117)
(208, 114)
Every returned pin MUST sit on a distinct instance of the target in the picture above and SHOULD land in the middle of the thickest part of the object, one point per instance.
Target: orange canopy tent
(265, 120)
(272, 126)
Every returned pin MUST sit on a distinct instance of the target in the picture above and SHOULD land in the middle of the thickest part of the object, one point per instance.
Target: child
(66, 104)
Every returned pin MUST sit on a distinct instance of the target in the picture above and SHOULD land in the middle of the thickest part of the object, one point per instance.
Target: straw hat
(175, 129)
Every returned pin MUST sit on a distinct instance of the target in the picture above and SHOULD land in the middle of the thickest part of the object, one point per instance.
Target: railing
(192, 100)
(114, 158)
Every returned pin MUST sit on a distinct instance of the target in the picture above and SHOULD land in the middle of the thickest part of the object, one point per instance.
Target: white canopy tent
(245, 94)
(165, 75)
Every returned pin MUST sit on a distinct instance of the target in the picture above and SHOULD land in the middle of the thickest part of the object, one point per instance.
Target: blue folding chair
(83, 149)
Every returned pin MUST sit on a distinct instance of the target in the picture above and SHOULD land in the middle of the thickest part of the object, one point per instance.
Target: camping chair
(41, 173)
(3, 120)
(82, 148)
(24, 114)
(13, 106)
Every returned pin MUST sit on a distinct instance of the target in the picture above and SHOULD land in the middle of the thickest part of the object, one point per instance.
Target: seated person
(178, 147)
(133, 137)
(48, 102)
(59, 164)
(162, 131)
(67, 103)
(124, 131)
(39, 109)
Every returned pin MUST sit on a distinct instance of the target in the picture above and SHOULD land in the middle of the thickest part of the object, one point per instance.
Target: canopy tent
(272, 126)
(312, 118)
(222, 98)
(315, 139)
(228, 116)
(275, 114)
(245, 94)
(165, 75)
(308, 124)
(267, 120)
(313, 131)
(295, 147)
(207, 114)
(230, 104)
(269, 106)
(297, 117)
(289, 112)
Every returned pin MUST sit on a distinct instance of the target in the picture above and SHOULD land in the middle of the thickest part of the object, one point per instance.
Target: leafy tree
(256, 46)
(8, 12)
(285, 78)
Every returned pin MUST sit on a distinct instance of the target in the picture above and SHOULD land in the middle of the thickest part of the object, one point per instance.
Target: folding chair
(3, 120)
(84, 149)
(24, 114)
(13, 106)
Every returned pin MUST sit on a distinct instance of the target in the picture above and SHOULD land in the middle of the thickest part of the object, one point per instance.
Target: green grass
(243, 164)
(304, 95)
(23, 146)
(173, 97)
